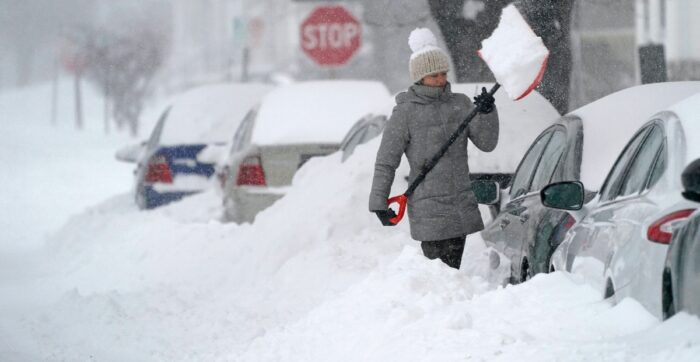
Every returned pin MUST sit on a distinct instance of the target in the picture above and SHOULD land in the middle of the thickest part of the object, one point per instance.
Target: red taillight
(570, 221)
(661, 230)
(158, 171)
(250, 172)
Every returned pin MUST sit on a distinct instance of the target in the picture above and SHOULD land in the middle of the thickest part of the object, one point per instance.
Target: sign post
(330, 35)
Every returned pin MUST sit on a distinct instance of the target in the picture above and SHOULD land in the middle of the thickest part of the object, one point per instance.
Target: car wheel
(667, 307)
(524, 271)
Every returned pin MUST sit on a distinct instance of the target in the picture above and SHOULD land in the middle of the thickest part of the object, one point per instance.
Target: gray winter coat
(443, 206)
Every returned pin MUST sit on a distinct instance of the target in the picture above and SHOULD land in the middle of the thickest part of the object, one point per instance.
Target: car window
(643, 162)
(550, 159)
(353, 130)
(375, 128)
(354, 139)
(659, 167)
(521, 180)
(242, 133)
(612, 184)
(158, 129)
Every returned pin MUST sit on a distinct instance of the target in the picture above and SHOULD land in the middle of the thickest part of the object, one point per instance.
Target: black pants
(448, 250)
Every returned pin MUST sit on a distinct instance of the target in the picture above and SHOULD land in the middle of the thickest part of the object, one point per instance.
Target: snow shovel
(518, 58)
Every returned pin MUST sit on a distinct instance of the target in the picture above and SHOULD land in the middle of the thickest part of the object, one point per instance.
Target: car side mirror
(691, 181)
(567, 195)
(130, 153)
(487, 192)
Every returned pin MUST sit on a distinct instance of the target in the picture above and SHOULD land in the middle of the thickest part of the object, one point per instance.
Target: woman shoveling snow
(443, 209)
(430, 120)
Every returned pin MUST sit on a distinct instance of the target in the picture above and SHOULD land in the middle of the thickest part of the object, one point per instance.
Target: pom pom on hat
(427, 57)
(420, 39)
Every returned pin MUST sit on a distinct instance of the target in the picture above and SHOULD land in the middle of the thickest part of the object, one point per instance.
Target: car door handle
(504, 223)
(524, 218)
(606, 224)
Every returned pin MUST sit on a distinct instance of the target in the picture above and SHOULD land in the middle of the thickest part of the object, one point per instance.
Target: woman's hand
(484, 101)
(385, 216)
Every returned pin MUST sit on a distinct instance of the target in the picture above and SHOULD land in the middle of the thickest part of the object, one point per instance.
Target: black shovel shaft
(434, 160)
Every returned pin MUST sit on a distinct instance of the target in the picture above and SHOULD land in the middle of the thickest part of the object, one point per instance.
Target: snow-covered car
(180, 155)
(620, 243)
(581, 146)
(291, 125)
(681, 277)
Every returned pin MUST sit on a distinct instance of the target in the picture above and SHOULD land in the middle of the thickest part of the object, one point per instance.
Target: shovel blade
(516, 56)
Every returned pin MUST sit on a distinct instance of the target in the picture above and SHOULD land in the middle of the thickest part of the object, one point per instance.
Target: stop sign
(330, 35)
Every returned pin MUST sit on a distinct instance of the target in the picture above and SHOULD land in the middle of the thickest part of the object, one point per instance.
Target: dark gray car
(582, 146)
(681, 276)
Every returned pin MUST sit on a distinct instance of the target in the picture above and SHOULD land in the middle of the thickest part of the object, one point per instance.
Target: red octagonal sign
(330, 35)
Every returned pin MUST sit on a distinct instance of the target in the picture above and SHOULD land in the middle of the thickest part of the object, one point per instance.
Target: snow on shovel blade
(515, 54)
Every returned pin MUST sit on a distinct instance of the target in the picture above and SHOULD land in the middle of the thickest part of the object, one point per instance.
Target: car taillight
(661, 230)
(250, 172)
(569, 222)
(159, 171)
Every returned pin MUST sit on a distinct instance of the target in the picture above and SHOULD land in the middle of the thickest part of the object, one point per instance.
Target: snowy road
(316, 278)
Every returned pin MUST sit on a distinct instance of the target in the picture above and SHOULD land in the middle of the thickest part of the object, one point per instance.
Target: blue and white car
(180, 156)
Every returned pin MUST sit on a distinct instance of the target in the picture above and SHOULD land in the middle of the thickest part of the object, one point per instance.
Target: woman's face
(435, 80)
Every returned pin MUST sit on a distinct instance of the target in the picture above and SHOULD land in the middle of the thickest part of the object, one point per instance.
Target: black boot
(449, 250)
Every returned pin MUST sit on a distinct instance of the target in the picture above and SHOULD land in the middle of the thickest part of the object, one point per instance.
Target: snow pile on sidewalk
(316, 278)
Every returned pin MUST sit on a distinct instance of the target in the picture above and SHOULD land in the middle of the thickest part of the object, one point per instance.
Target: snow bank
(315, 278)
(52, 172)
(414, 312)
(516, 56)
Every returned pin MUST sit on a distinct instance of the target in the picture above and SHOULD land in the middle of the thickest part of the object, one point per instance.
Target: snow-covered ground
(316, 278)
(51, 173)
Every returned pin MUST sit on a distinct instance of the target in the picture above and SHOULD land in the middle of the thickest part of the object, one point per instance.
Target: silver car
(291, 125)
(619, 246)
(582, 146)
(681, 278)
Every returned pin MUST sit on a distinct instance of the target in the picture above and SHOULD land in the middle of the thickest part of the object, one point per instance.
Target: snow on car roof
(316, 112)
(520, 122)
(211, 113)
(688, 111)
(610, 122)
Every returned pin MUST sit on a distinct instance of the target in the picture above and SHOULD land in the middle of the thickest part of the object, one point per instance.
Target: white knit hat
(427, 58)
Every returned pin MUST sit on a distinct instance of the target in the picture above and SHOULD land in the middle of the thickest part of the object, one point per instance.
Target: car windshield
(210, 114)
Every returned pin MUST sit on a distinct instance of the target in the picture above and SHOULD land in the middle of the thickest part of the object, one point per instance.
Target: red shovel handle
(401, 200)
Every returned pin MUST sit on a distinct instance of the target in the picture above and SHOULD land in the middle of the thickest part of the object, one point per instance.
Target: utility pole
(54, 92)
(651, 33)
(78, 100)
